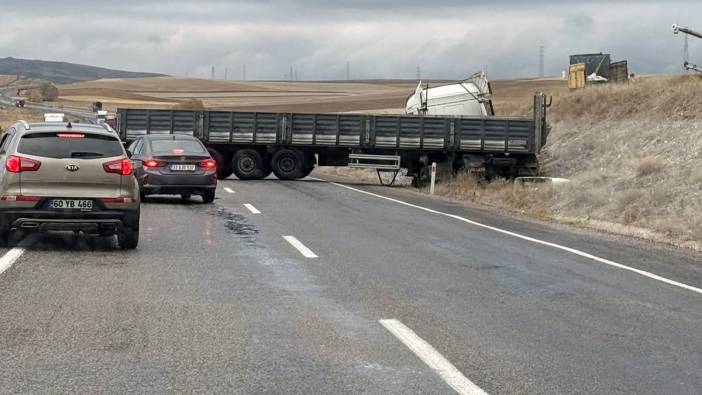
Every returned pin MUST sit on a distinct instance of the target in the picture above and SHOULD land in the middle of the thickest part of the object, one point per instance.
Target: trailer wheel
(248, 164)
(310, 162)
(221, 164)
(288, 164)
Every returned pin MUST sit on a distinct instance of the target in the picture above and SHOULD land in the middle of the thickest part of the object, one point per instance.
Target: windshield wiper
(83, 154)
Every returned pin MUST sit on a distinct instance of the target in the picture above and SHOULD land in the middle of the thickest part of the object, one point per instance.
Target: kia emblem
(72, 167)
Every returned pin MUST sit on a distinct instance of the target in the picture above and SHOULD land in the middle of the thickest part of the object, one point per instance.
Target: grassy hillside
(633, 153)
(62, 72)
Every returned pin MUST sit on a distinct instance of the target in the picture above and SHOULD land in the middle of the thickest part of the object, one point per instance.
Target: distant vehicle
(470, 97)
(54, 117)
(111, 119)
(101, 116)
(96, 106)
(172, 165)
(18, 102)
(59, 177)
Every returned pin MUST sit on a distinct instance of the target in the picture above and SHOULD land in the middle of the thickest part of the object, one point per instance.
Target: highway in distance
(323, 287)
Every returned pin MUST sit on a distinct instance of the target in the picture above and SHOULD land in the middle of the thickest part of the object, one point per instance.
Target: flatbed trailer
(253, 144)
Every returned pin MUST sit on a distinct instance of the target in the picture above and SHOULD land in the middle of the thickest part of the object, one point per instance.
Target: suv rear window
(177, 146)
(70, 144)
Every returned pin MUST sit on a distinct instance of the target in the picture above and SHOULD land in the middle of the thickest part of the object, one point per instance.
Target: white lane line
(228, 189)
(306, 252)
(533, 240)
(9, 258)
(432, 358)
(251, 208)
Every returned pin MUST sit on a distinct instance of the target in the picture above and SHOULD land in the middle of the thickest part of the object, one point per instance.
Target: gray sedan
(174, 165)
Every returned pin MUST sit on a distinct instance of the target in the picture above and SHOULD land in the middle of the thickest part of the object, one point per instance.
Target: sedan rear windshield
(177, 147)
(70, 144)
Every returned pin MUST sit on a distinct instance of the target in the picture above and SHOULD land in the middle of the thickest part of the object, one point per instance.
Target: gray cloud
(381, 39)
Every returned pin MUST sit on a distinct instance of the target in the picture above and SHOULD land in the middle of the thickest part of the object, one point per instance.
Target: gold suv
(62, 177)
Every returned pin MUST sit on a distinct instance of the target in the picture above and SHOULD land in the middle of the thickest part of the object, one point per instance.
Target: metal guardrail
(378, 162)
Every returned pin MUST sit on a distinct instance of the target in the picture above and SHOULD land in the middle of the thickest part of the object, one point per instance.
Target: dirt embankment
(633, 153)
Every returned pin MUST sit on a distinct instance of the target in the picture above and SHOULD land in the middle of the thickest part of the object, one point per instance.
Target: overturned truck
(252, 145)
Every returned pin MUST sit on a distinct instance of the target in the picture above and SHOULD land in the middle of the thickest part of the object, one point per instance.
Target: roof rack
(25, 124)
(106, 127)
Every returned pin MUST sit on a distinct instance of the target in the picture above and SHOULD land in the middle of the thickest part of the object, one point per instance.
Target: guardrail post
(433, 177)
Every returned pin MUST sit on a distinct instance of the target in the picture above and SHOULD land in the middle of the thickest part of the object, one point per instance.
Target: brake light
(70, 135)
(208, 164)
(152, 163)
(178, 151)
(20, 198)
(18, 164)
(121, 166)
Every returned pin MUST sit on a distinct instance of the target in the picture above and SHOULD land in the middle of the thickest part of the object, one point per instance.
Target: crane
(682, 29)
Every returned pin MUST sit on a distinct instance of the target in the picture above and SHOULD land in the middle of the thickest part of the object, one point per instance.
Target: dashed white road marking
(531, 239)
(228, 189)
(251, 208)
(432, 358)
(306, 252)
(10, 257)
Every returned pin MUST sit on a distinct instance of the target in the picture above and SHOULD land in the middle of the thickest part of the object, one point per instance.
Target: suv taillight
(121, 166)
(18, 164)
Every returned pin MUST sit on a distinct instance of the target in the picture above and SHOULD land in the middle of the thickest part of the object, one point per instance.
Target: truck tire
(288, 164)
(248, 164)
(4, 234)
(309, 165)
(221, 163)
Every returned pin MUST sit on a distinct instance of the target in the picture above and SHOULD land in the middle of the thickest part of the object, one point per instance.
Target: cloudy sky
(380, 38)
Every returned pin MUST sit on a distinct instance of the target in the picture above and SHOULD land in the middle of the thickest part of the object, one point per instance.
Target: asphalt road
(215, 299)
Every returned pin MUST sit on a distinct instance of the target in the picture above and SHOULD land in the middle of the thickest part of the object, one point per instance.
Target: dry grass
(524, 198)
(9, 115)
(633, 154)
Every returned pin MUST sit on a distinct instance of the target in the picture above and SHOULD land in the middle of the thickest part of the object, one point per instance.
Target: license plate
(183, 167)
(71, 204)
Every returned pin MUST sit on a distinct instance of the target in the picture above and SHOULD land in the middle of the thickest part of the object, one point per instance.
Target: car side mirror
(129, 153)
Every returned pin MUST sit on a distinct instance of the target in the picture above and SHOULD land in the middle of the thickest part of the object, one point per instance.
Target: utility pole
(419, 73)
(686, 54)
(226, 70)
(243, 77)
(348, 71)
(213, 71)
(541, 61)
(291, 73)
(296, 75)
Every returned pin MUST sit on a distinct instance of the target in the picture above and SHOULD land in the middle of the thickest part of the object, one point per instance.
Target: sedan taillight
(153, 163)
(208, 164)
(18, 164)
(120, 166)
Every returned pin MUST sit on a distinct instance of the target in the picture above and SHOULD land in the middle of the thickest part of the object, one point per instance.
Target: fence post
(433, 177)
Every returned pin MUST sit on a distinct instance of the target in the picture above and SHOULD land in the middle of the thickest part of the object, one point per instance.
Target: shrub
(649, 165)
(48, 91)
(190, 104)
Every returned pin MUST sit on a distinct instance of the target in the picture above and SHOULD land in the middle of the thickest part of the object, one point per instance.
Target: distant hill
(63, 72)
